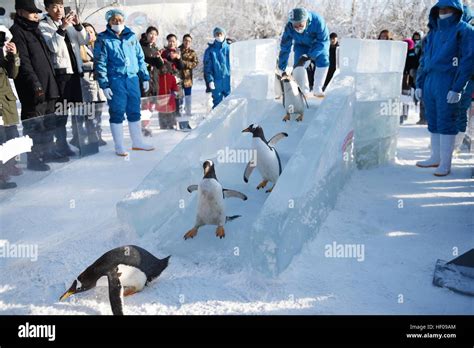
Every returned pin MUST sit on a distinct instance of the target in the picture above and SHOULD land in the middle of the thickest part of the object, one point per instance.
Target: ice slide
(317, 157)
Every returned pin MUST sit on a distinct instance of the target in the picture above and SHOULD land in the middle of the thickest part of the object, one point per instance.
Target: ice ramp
(319, 150)
(309, 186)
(317, 158)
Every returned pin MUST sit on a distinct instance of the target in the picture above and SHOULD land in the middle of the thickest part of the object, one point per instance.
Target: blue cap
(218, 30)
(298, 15)
(113, 12)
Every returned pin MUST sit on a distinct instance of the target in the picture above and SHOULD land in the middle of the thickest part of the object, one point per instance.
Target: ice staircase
(317, 157)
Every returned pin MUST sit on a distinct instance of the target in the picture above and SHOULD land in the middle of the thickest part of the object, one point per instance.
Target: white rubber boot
(434, 160)
(319, 79)
(136, 135)
(459, 140)
(117, 135)
(188, 104)
(446, 152)
(300, 75)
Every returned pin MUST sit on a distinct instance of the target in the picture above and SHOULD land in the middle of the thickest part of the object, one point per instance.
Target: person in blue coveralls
(120, 69)
(217, 66)
(307, 32)
(446, 66)
(466, 98)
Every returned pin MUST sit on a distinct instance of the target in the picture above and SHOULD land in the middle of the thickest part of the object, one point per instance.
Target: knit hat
(114, 12)
(218, 30)
(298, 15)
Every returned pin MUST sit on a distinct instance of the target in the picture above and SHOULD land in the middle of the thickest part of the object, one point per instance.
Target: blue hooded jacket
(314, 42)
(217, 62)
(449, 47)
(118, 57)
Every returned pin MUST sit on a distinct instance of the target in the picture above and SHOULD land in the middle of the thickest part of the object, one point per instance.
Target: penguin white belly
(211, 207)
(131, 277)
(294, 103)
(267, 161)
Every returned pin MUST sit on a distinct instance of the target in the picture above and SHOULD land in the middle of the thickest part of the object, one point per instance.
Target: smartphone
(67, 10)
(2, 38)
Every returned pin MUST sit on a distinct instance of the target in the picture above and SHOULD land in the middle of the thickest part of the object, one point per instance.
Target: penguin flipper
(303, 97)
(277, 138)
(234, 194)
(248, 170)
(115, 292)
(192, 188)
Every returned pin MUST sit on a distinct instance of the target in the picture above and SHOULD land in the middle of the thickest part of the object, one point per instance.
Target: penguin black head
(256, 130)
(209, 170)
(81, 284)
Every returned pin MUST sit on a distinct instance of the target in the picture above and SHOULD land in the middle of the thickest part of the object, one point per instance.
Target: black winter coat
(36, 69)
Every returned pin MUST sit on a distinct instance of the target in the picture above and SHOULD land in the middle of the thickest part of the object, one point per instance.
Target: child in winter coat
(167, 93)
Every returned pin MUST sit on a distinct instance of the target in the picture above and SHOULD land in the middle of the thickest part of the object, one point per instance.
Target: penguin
(268, 160)
(294, 99)
(211, 207)
(128, 270)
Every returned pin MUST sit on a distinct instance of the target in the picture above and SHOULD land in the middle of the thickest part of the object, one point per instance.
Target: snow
(402, 245)
(401, 216)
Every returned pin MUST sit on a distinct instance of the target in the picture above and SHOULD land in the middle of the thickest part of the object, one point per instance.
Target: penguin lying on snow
(128, 269)
(268, 160)
(211, 207)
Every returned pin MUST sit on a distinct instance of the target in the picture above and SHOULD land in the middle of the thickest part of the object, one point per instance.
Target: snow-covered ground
(403, 216)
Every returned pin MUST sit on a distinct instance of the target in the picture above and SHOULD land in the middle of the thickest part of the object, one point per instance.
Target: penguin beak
(66, 295)
(206, 170)
(247, 130)
(69, 293)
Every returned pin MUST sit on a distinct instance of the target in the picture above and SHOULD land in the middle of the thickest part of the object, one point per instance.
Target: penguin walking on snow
(267, 161)
(211, 207)
(128, 270)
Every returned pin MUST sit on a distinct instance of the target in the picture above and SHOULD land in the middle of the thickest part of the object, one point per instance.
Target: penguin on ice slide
(128, 270)
(268, 161)
(211, 207)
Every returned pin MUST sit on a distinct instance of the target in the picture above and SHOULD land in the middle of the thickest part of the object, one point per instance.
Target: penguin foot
(286, 118)
(300, 118)
(220, 233)
(270, 190)
(191, 234)
(262, 185)
(129, 291)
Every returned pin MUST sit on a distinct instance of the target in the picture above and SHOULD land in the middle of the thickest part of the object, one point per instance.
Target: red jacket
(167, 87)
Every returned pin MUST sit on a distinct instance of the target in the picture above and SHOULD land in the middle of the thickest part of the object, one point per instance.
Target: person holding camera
(9, 66)
(36, 85)
(64, 34)
(91, 91)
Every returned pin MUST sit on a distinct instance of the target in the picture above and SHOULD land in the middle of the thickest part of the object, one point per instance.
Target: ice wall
(253, 68)
(377, 67)
(309, 186)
